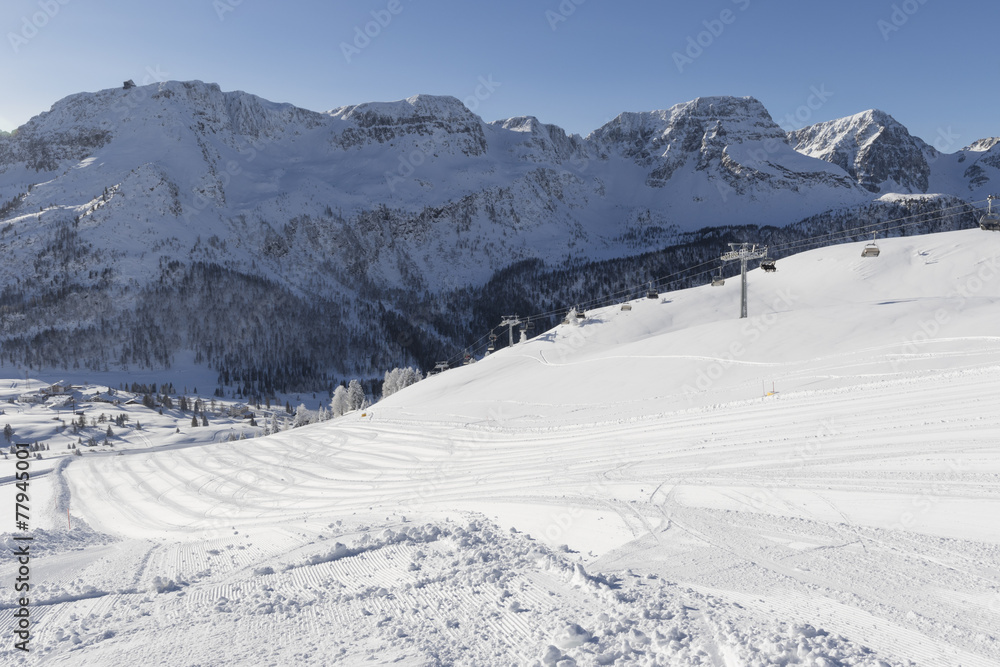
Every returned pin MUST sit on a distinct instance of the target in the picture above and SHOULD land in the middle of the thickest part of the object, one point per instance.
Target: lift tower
(510, 321)
(744, 252)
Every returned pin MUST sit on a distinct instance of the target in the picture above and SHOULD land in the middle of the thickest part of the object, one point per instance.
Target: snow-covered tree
(302, 415)
(338, 404)
(356, 398)
(399, 378)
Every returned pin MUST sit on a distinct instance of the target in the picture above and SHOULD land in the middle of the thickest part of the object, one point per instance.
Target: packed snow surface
(818, 484)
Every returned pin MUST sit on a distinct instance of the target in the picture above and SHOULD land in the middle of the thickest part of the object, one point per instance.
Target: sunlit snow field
(818, 484)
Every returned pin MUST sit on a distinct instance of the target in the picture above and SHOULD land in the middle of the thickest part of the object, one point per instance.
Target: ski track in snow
(486, 517)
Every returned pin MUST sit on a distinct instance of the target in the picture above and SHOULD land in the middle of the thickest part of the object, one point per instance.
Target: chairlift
(652, 293)
(717, 279)
(768, 265)
(991, 220)
(871, 250)
(441, 366)
(626, 306)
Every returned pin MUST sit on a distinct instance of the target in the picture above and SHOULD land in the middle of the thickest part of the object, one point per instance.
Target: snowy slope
(817, 484)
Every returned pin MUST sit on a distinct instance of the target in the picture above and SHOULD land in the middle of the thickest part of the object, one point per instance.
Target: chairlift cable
(831, 237)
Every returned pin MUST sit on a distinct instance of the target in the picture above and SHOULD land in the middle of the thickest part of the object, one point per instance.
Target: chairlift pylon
(990, 220)
(871, 249)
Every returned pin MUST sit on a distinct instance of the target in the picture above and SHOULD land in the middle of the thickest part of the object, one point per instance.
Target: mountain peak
(416, 106)
(873, 147)
(982, 145)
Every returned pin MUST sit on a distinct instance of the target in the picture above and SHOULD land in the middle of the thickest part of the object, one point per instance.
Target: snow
(668, 485)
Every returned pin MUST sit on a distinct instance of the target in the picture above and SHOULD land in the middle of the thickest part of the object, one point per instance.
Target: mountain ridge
(367, 209)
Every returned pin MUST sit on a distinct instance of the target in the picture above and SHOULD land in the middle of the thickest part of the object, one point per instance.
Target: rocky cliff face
(878, 152)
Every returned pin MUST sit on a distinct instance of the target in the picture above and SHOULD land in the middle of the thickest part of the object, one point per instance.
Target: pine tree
(204, 419)
(356, 399)
(8, 433)
(194, 421)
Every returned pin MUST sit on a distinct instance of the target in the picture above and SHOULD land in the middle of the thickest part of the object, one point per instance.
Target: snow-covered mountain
(876, 150)
(131, 198)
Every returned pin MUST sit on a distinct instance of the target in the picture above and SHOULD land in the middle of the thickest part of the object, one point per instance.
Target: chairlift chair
(990, 220)
(871, 250)
(626, 306)
(768, 266)
(717, 279)
(652, 293)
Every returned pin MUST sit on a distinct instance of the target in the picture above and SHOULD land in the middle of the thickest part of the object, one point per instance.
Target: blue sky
(576, 63)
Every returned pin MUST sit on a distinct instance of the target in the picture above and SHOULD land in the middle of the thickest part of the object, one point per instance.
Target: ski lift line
(848, 235)
(845, 235)
(832, 236)
(616, 296)
(881, 226)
